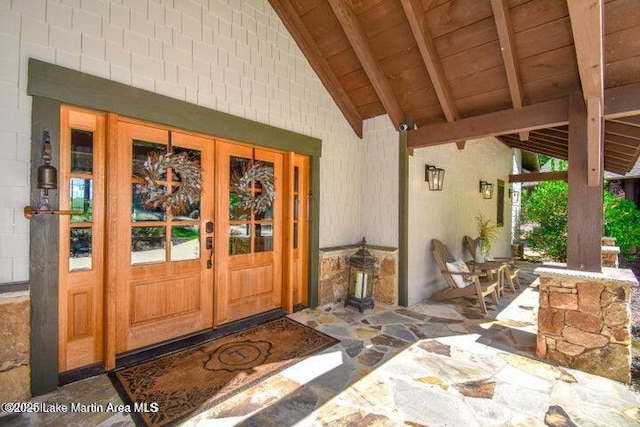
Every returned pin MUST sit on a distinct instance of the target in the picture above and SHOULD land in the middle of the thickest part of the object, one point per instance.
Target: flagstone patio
(435, 364)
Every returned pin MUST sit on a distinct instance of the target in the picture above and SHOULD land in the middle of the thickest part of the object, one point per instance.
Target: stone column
(15, 336)
(583, 320)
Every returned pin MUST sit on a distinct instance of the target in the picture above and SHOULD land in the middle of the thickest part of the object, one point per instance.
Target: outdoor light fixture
(360, 293)
(434, 176)
(486, 189)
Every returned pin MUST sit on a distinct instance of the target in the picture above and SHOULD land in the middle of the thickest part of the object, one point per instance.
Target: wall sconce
(486, 189)
(434, 176)
(514, 195)
(47, 177)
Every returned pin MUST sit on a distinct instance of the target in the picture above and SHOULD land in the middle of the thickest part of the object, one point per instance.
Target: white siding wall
(450, 214)
(228, 55)
(380, 182)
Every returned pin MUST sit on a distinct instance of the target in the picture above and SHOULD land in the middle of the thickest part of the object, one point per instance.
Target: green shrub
(622, 221)
(546, 205)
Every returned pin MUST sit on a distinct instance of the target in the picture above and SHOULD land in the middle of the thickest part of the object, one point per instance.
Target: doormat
(170, 388)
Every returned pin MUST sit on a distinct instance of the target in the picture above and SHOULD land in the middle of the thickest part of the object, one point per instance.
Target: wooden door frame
(52, 85)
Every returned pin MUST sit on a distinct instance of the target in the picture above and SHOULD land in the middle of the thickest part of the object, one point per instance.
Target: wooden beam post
(584, 234)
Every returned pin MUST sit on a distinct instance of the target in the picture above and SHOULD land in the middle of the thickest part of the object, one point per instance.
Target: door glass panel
(266, 215)
(296, 177)
(237, 168)
(147, 245)
(80, 249)
(80, 191)
(295, 235)
(141, 212)
(191, 213)
(141, 151)
(185, 242)
(269, 166)
(193, 155)
(81, 151)
(239, 239)
(296, 207)
(264, 237)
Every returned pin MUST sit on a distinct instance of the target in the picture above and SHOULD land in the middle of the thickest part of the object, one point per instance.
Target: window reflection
(239, 239)
(141, 151)
(139, 211)
(80, 249)
(80, 192)
(147, 245)
(185, 243)
(264, 238)
(81, 151)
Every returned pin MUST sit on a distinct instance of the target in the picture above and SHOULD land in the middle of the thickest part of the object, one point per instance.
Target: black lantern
(434, 176)
(486, 189)
(362, 264)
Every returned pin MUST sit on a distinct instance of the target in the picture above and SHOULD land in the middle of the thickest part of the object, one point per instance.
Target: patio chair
(460, 282)
(511, 271)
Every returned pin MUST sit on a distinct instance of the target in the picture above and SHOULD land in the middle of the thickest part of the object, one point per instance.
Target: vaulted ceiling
(462, 69)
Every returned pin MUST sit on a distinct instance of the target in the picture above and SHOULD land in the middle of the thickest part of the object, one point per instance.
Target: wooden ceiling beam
(308, 46)
(588, 36)
(538, 176)
(531, 117)
(505, 35)
(354, 32)
(414, 11)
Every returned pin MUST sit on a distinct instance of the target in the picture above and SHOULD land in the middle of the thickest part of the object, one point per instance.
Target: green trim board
(403, 219)
(43, 257)
(52, 85)
(88, 91)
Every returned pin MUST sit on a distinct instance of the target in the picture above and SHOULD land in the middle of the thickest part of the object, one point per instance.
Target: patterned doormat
(168, 389)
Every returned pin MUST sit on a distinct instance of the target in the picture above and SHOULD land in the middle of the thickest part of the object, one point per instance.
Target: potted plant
(486, 236)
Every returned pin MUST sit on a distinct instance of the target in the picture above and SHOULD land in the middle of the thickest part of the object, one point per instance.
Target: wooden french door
(132, 275)
(248, 242)
(164, 284)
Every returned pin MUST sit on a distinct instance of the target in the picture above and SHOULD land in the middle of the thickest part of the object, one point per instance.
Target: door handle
(209, 243)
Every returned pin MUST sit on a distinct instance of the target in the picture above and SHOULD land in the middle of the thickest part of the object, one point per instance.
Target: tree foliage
(546, 206)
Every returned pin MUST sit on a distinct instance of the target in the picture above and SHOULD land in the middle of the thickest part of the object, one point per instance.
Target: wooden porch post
(585, 202)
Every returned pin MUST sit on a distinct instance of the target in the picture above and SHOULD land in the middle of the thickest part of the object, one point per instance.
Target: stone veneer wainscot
(583, 320)
(334, 273)
(14, 351)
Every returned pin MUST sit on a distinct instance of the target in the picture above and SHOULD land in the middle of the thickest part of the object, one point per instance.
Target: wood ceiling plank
(622, 101)
(620, 15)
(453, 15)
(543, 38)
(538, 12)
(623, 44)
(552, 87)
(537, 116)
(415, 15)
(355, 34)
(305, 42)
(622, 72)
(505, 35)
(469, 37)
(617, 128)
(496, 100)
(473, 60)
(549, 64)
(478, 83)
(631, 121)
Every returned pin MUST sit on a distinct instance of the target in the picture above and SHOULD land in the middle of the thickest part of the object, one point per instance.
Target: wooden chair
(479, 288)
(511, 271)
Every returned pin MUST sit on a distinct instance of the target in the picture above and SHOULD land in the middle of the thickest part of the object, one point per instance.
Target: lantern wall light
(434, 176)
(486, 189)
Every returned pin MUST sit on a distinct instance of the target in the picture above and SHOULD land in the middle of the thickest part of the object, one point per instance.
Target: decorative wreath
(241, 187)
(185, 192)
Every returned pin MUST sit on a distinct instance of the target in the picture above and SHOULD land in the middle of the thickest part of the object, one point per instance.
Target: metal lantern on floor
(361, 269)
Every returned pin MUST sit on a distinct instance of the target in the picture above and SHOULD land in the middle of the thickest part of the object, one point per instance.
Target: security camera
(403, 127)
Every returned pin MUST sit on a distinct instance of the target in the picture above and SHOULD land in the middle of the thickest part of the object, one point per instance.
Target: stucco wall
(231, 56)
(449, 214)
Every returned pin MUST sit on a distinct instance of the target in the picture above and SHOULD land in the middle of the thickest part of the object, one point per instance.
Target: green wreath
(241, 187)
(185, 192)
